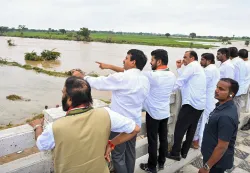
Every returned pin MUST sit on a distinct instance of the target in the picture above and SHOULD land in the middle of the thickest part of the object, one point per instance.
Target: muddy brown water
(46, 90)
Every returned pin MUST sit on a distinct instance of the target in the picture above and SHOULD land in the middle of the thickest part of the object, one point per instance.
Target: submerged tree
(10, 42)
(247, 42)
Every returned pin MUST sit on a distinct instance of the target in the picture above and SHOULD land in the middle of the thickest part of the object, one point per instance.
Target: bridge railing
(20, 138)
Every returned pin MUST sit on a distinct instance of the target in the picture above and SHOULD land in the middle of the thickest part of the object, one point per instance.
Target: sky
(204, 17)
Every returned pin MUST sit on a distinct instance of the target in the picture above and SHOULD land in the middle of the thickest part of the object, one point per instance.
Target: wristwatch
(206, 167)
(36, 126)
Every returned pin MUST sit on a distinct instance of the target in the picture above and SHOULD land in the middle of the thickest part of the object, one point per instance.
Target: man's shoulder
(230, 112)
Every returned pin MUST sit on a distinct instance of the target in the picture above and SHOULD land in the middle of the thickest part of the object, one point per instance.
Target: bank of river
(42, 89)
(151, 40)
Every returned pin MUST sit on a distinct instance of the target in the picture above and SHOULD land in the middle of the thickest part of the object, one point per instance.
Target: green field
(121, 39)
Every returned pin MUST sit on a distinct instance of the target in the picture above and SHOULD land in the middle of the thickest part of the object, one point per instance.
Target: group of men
(79, 141)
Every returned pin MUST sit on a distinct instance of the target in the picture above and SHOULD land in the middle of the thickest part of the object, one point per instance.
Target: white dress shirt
(129, 90)
(240, 74)
(247, 80)
(227, 69)
(212, 78)
(192, 82)
(119, 124)
(157, 103)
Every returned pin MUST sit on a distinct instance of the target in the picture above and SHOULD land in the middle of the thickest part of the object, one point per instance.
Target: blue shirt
(223, 125)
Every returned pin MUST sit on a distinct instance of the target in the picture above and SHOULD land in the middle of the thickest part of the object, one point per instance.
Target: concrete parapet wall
(22, 137)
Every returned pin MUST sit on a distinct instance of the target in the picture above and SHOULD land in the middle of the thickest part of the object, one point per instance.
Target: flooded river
(46, 90)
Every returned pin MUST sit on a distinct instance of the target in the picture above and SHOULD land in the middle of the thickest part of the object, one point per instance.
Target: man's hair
(193, 54)
(160, 54)
(233, 52)
(243, 53)
(224, 51)
(139, 57)
(78, 90)
(209, 56)
(234, 85)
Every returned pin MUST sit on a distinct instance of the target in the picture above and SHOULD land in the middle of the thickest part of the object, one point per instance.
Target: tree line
(85, 33)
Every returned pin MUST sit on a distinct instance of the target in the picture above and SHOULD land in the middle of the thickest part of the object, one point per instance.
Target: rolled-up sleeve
(226, 128)
(120, 123)
(46, 140)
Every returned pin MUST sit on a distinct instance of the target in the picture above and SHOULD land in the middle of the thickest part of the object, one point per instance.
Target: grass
(39, 116)
(46, 55)
(37, 69)
(106, 101)
(14, 97)
(121, 39)
(40, 70)
(10, 125)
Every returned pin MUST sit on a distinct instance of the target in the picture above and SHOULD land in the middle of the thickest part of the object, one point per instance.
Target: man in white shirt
(212, 78)
(192, 82)
(84, 141)
(129, 90)
(240, 75)
(243, 53)
(226, 67)
(157, 106)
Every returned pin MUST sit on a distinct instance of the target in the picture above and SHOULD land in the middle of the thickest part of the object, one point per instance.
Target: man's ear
(69, 101)
(159, 62)
(231, 95)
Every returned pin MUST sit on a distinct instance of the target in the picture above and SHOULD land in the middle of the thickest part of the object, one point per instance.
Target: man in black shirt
(221, 130)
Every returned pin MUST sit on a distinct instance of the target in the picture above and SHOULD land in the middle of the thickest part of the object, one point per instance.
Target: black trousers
(155, 128)
(216, 170)
(186, 123)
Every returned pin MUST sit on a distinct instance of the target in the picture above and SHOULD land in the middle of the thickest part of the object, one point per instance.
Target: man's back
(157, 103)
(227, 69)
(212, 78)
(240, 73)
(80, 141)
(129, 90)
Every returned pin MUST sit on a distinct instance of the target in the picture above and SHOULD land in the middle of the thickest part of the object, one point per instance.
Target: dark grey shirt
(223, 125)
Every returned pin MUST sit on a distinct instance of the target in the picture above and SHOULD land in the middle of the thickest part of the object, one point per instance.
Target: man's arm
(183, 78)
(125, 126)
(110, 83)
(44, 139)
(217, 154)
(38, 125)
(110, 66)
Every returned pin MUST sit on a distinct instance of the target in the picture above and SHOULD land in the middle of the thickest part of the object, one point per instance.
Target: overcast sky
(204, 17)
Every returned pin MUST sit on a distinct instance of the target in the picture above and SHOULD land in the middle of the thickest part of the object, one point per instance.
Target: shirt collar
(193, 62)
(226, 62)
(132, 70)
(224, 105)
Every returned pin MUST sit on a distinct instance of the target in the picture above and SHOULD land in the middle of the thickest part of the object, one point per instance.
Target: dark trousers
(186, 123)
(123, 156)
(155, 127)
(216, 170)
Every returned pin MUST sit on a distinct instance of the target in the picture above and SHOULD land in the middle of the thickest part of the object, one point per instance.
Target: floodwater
(46, 90)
